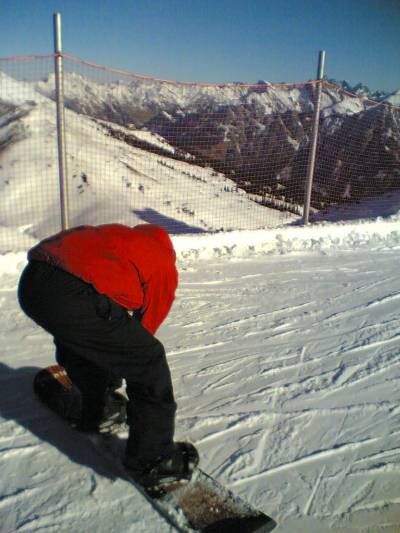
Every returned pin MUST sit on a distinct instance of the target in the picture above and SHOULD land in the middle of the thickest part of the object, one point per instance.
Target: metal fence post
(314, 140)
(62, 159)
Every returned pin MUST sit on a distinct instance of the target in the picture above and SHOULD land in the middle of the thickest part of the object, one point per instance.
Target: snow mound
(325, 238)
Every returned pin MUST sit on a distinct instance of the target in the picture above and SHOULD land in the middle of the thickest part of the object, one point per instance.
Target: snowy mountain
(360, 89)
(188, 148)
(393, 98)
(116, 173)
(236, 129)
(136, 101)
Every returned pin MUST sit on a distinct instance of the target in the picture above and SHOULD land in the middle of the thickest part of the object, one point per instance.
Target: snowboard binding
(167, 472)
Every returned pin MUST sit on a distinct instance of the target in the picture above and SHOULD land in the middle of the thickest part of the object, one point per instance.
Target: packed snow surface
(284, 351)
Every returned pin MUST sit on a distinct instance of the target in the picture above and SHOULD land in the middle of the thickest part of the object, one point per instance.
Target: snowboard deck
(200, 504)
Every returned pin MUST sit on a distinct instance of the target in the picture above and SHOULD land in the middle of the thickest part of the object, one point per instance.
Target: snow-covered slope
(394, 98)
(286, 370)
(111, 178)
(283, 344)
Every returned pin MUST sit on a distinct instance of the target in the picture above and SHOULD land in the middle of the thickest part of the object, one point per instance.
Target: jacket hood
(157, 233)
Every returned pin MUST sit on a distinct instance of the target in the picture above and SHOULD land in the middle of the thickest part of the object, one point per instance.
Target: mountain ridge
(260, 135)
(257, 137)
(361, 89)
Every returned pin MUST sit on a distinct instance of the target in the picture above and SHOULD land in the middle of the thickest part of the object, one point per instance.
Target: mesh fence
(190, 157)
(358, 160)
(29, 202)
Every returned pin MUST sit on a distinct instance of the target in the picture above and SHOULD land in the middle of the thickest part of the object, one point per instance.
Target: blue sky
(217, 40)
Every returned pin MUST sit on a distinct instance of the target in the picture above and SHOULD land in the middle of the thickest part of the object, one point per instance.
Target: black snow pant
(98, 342)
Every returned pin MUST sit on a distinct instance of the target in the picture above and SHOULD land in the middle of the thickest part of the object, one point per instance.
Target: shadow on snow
(19, 403)
(172, 225)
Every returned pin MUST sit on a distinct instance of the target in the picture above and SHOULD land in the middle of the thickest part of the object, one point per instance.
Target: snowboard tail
(199, 503)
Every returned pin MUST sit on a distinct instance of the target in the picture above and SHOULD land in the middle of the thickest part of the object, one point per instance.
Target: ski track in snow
(287, 376)
(303, 394)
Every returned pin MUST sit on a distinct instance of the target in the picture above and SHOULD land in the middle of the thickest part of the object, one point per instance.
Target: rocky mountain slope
(114, 173)
(259, 135)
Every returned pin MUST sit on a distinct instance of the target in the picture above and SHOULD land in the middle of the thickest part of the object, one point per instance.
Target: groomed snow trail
(287, 376)
(288, 379)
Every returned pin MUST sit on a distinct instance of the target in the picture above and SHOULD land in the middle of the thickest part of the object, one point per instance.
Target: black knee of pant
(155, 381)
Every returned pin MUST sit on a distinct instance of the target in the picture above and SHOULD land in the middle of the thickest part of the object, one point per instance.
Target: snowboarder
(102, 292)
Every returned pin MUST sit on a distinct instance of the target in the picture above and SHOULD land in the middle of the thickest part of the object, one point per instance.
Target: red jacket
(135, 267)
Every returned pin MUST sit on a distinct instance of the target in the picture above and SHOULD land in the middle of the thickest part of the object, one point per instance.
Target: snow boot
(167, 470)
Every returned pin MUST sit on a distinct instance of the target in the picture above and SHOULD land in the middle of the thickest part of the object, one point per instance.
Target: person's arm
(159, 294)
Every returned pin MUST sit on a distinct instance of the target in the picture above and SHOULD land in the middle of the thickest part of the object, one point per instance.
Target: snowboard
(199, 504)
